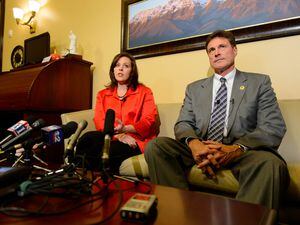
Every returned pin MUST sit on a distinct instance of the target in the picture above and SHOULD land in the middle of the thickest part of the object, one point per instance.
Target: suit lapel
(206, 102)
(238, 90)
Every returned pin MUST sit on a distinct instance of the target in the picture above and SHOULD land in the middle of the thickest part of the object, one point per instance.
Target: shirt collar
(229, 76)
(130, 91)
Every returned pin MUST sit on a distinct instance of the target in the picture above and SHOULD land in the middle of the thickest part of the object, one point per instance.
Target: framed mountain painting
(159, 27)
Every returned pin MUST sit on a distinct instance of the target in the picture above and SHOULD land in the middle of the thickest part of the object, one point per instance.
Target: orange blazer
(137, 108)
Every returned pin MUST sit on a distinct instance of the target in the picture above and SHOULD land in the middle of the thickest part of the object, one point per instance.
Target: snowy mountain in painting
(185, 18)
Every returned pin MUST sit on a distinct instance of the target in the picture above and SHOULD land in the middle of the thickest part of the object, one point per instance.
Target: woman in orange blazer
(136, 116)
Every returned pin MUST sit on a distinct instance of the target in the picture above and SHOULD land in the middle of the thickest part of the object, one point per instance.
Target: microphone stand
(10, 157)
(27, 156)
(3, 160)
(39, 159)
(69, 164)
(17, 161)
(105, 175)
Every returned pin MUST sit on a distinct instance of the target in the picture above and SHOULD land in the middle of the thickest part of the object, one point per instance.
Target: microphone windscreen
(109, 122)
(38, 124)
(82, 124)
(72, 142)
(69, 129)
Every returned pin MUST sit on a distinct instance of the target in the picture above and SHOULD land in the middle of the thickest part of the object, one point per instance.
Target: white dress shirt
(216, 85)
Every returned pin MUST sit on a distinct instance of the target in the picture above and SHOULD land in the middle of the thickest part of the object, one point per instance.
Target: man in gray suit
(230, 120)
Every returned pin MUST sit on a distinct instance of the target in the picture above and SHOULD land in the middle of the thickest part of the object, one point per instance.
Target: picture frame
(255, 32)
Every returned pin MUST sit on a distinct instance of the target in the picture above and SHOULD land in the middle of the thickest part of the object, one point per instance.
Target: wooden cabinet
(63, 85)
(45, 91)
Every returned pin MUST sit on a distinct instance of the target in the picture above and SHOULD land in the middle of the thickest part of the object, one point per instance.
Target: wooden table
(175, 207)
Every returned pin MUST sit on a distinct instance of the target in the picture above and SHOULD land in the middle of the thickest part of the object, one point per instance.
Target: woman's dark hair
(133, 79)
(223, 34)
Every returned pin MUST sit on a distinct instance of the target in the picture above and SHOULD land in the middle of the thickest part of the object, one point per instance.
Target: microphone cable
(70, 190)
(73, 192)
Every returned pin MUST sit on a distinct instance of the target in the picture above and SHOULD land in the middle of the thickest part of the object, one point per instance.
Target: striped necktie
(217, 120)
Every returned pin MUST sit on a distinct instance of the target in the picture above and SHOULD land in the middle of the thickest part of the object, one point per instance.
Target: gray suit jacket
(255, 119)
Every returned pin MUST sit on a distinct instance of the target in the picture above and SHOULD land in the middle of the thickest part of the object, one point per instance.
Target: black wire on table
(69, 188)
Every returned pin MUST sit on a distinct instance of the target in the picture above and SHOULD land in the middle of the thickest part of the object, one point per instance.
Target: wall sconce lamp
(20, 15)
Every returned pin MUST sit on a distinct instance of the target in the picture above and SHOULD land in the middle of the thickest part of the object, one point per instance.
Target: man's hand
(214, 153)
(200, 153)
(225, 153)
(211, 155)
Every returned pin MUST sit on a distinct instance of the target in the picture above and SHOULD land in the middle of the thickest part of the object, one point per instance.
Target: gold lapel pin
(242, 87)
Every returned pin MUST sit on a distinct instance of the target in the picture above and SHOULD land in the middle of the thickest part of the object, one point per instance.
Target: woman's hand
(127, 139)
(120, 126)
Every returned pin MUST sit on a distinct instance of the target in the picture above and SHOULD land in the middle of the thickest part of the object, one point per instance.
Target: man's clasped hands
(211, 155)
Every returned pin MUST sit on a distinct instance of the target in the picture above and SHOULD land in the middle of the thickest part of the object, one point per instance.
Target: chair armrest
(78, 116)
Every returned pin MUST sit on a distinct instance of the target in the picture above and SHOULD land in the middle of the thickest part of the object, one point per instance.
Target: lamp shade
(18, 13)
(34, 6)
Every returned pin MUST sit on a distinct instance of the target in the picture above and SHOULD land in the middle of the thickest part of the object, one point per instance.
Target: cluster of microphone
(20, 131)
(26, 134)
(19, 136)
(64, 183)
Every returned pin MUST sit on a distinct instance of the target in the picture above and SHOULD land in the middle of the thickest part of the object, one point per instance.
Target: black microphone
(108, 133)
(17, 129)
(69, 129)
(69, 152)
(49, 135)
(35, 125)
(55, 134)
